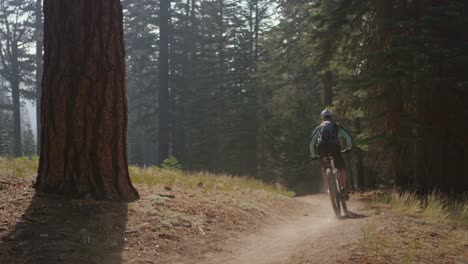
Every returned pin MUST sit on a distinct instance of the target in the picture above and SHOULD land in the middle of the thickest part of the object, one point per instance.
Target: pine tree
(163, 88)
(392, 59)
(6, 126)
(29, 142)
(38, 36)
(16, 63)
(140, 20)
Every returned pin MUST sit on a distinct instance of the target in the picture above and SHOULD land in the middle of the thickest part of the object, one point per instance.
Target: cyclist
(325, 142)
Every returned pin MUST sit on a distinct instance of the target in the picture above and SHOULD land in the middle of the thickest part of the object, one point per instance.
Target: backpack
(328, 133)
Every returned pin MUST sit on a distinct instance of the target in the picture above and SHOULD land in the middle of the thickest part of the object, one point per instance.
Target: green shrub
(171, 163)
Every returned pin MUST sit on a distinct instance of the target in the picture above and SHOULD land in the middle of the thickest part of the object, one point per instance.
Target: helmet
(326, 114)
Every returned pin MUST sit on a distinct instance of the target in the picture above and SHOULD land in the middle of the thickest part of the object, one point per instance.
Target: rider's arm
(313, 141)
(345, 134)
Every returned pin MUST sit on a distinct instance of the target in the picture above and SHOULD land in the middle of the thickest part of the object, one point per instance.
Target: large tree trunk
(163, 139)
(15, 92)
(180, 121)
(84, 106)
(260, 152)
(15, 80)
(39, 45)
(219, 161)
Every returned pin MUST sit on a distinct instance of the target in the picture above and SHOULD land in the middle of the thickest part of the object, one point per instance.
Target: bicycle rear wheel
(334, 193)
(341, 198)
(343, 205)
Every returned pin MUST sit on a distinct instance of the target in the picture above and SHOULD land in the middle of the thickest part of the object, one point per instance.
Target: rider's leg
(342, 179)
(340, 165)
(342, 176)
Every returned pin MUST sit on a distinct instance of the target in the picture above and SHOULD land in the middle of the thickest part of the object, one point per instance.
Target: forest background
(248, 79)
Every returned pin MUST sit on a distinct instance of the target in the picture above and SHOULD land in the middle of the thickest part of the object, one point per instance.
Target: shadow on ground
(66, 231)
(352, 215)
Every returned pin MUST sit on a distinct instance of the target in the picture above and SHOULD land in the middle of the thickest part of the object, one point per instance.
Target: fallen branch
(167, 195)
(132, 231)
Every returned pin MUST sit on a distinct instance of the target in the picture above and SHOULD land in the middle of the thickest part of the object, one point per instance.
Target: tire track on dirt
(314, 236)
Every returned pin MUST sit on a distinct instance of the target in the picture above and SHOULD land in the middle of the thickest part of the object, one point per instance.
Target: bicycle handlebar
(343, 151)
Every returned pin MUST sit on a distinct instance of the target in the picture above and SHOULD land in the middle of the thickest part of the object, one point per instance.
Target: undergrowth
(154, 176)
(434, 208)
(19, 167)
(415, 229)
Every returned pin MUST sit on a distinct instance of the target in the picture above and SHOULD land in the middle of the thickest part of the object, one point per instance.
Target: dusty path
(40, 229)
(315, 236)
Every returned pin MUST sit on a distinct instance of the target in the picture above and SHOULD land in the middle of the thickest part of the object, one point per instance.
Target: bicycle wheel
(343, 204)
(340, 197)
(334, 193)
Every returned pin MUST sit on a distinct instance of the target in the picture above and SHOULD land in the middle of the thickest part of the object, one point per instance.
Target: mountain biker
(325, 142)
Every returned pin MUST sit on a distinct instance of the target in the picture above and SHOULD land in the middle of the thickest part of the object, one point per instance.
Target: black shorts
(326, 150)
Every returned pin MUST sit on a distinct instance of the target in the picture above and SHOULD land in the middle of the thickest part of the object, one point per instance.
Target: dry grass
(458, 213)
(18, 167)
(376, 245)
(406, 203)
(153, 176)
(411, 229)
(434, 208)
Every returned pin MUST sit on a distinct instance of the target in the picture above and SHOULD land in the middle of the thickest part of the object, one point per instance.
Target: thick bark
(163, 139)
(386, 12)
(84, 105)
(39, 46)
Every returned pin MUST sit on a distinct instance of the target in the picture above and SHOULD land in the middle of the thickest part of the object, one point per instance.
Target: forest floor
(174, 224)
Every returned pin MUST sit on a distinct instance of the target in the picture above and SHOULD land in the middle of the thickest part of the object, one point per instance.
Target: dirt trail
(42, 229)
(314, 236)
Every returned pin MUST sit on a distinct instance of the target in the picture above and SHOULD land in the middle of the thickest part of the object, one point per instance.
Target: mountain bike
(336, 194)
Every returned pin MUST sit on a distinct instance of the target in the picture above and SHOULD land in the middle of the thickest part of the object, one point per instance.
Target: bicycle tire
(341, 199)
(334, 193)
(343, 205)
